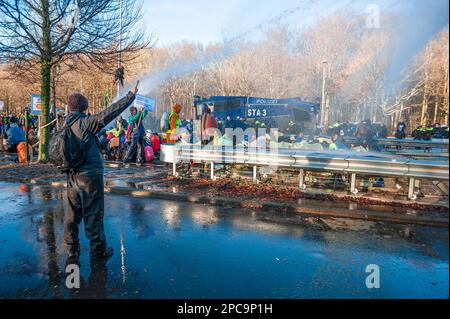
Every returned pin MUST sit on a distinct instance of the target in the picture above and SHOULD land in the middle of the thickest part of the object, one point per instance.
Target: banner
(144, 102)
(36, 104)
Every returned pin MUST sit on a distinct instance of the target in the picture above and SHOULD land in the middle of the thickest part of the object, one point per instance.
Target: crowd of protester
(129, 141)
(431, 132)
(361, 136)
(126, 141)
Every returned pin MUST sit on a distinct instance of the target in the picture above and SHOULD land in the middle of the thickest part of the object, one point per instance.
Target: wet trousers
(135, 150)
(85, 195)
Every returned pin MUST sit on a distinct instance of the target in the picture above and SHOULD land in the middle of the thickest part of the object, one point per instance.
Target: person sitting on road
(156, 143)
(438, 132)
(112, 133)
(298, 138)
(429, 132)
(366, 136)
(421, 133)
(15, 135)
(153, 140)
(363, 147)
(417, 133)
(310, 144)
(332, 129)
(103, 142)
(365, 129)
(338, 143)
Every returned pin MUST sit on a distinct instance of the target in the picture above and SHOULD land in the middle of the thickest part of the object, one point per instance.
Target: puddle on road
(167, 249)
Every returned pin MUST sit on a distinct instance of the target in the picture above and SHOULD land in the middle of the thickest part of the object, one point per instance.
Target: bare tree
(425, 85)
(38, 34)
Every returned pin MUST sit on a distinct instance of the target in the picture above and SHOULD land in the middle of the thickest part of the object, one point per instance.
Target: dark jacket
(86, 127)
(438, 132)
(400, 133)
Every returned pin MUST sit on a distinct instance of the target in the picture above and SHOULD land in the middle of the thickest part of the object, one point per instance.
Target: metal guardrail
(407, 143)
(353, 163)
(419, 154)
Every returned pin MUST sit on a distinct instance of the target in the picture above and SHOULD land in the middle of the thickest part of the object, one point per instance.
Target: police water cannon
(275, 113)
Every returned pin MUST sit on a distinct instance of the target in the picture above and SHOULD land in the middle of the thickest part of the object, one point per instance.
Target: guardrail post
(412, 184)
(212, 171)
(301, 183)
(353, 188)
(174, 168)
(255, 174)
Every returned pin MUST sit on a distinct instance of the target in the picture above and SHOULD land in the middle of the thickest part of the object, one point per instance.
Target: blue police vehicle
(279, 113)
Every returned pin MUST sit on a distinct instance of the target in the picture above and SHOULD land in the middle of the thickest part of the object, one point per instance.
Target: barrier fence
(407, 143)
(353, 163)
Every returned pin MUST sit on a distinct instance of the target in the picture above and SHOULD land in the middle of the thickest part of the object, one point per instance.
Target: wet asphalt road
(168, 249)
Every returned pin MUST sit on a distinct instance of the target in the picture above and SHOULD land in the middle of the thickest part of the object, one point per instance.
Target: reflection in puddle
(171, 213)
(122, 255)
(205, 216)
(233, 254)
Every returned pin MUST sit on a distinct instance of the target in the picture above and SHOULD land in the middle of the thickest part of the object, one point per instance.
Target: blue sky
(208, 21)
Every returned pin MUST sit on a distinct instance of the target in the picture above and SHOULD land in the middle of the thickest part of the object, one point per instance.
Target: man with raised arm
(85, 191)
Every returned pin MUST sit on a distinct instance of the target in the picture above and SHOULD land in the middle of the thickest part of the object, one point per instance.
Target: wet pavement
(167, 249)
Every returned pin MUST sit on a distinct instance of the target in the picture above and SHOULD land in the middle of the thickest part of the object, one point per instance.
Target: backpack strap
(91, 141)
(70, 126)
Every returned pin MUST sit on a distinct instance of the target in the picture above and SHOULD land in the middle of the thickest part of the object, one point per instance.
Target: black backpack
(67, 151)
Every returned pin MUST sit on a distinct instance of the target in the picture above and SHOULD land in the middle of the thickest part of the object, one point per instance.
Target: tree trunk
(446, 93)
(53, 99)
(424, 116)
(327, 110)
(44, 133)
(436, 109)
(46, 72)
(374, 112)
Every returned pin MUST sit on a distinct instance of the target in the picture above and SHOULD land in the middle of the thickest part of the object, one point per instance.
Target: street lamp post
(324, 98)
(119, 62)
